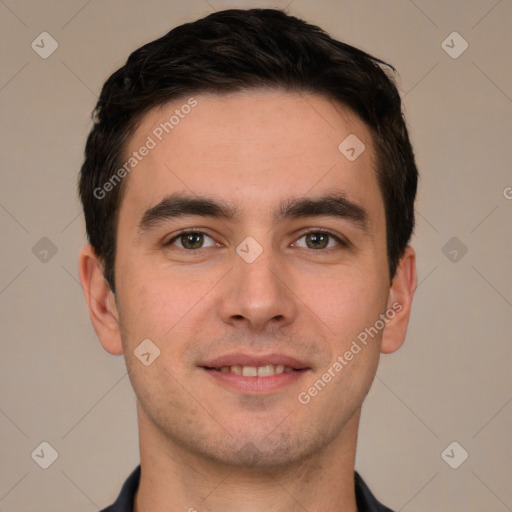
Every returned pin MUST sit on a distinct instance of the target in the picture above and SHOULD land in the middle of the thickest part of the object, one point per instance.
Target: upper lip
(254, 360)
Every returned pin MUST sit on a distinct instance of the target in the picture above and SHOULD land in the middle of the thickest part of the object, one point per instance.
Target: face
(252, 253)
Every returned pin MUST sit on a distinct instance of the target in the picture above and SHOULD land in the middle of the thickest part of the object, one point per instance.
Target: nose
(258, 295)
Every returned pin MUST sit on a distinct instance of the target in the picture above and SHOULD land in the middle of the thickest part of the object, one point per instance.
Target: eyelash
(317, 231)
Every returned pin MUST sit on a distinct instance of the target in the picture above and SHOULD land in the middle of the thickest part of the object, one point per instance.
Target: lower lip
(255, 384)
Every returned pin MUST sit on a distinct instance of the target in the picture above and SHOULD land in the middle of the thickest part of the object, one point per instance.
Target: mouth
(250, 374)
(266, 370)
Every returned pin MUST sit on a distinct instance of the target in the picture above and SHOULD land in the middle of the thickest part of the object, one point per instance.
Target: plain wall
(451, 381)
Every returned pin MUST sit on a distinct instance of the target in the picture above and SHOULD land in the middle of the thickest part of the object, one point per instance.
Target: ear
(100, 301)
(400, 297)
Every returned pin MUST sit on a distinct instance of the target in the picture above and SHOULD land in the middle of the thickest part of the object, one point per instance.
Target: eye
(191, 240)
(320, 240)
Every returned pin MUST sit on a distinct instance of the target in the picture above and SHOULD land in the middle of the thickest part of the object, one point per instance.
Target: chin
(262, 452)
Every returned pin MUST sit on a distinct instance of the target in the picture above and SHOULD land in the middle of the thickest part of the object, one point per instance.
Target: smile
(266, 370)
(255, 374)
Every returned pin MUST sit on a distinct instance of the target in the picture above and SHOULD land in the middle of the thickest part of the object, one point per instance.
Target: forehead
(252, 148)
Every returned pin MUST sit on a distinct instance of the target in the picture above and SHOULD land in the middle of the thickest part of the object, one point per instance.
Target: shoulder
(366, 501)
(124, 502)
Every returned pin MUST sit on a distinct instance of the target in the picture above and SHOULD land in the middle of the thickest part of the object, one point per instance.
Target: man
(248, 189)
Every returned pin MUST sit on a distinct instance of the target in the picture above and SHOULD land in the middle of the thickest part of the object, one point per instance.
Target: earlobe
(400, 298)
(100, 301)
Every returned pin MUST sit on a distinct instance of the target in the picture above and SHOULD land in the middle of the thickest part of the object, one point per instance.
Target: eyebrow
(179, 205)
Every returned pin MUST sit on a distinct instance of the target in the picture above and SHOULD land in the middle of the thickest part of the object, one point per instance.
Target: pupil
(193, 239)
(315, 238)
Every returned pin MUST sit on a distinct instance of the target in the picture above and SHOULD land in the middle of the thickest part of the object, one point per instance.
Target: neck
(174, 479)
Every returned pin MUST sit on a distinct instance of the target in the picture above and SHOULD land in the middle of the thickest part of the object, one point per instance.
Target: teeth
(265, 371)
(236, 369)
(250, 371)
(261, 371)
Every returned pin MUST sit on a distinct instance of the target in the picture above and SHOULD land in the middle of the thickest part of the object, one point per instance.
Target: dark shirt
(366, 502)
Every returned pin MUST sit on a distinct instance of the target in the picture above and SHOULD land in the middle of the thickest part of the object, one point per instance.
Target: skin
(202, 445)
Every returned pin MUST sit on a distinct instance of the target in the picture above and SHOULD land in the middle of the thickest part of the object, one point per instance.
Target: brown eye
(319, 240)
(191, 240)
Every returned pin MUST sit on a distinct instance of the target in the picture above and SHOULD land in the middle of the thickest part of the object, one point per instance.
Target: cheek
(160, 305)
(145, 309)
(347, 302)
(336, 393)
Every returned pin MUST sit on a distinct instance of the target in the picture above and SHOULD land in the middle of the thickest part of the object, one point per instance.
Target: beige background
(450, 382)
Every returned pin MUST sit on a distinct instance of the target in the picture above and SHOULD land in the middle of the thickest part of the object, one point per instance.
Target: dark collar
(365, 500)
